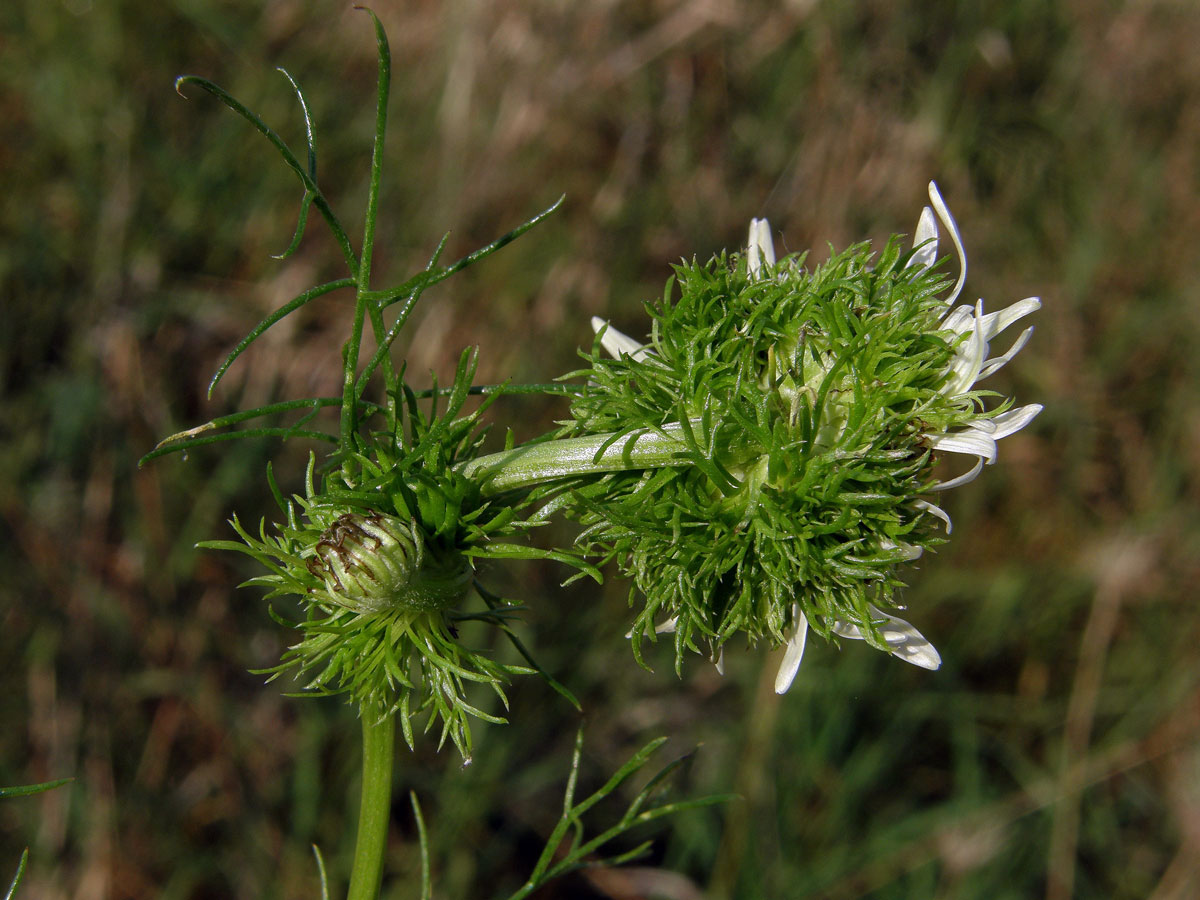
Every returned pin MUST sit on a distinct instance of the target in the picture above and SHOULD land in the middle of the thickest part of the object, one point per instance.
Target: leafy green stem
(532, 464)
(379, 739)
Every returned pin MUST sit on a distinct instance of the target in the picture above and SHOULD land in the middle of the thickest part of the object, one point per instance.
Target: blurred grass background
(1054, 755)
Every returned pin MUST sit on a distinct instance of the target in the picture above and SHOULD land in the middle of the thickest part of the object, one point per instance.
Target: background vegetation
(1055, 752)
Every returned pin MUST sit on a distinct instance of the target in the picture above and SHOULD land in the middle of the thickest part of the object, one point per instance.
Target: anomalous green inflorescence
(379, 553)
(810, 407)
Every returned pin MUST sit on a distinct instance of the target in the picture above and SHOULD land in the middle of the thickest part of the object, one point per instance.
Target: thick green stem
(378, 741)
(532, 464)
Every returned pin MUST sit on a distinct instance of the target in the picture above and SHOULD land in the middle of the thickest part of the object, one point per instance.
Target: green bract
(803, 400)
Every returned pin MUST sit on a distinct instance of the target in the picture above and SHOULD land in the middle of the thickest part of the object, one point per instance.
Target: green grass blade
(180, 440)
(423, 844)
(635, 762)
(289, 158)
(309, 136)
(283, 311)
(521, 551)
(383, 86)
(12, 888)
(26, 790)
(301, 221)
(505, 389)
(419, 283)
(387, 298)
(321, 872)
(496, 604)
(236, 436)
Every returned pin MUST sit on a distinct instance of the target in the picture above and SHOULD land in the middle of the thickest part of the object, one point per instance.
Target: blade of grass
(283, 311)
(26, 790)
(310, 185)
(236, 436)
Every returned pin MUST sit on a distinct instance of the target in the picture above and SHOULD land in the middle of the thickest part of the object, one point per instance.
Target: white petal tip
(925, 241)
(943, 213)
(617, 342)
(1014, 420)
(902, 639)
(666, 627)
(936, 511)
(795, 652)
(760, 249)
(924, 656)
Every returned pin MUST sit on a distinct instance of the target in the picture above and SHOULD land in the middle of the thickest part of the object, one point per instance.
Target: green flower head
(378, 557)
(808, 408)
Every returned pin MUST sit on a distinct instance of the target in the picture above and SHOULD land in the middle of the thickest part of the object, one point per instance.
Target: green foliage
(559, 858)
(391, 646)
(26, 790)
(20, 873)
(805, 399)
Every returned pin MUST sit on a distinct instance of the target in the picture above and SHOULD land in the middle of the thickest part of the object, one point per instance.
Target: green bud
(371, 563)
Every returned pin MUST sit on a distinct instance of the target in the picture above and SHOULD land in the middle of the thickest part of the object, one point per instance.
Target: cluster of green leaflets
(802, 399)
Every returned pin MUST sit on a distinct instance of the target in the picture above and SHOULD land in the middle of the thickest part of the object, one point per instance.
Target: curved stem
(373, 813)
(532, 464)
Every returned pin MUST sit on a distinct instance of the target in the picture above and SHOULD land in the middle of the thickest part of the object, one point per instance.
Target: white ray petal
(667, 627)
(994, 323)
(925, 241)
(760, 248)
(943, 212)
(1014, 420)
(719, 662)
(935, 511)
(995, 364)
(968, 359)
(904, 641)
(795, 652)
(617, 342)
(964, 478)
(959, 319)
(911, 551)
(973, 441)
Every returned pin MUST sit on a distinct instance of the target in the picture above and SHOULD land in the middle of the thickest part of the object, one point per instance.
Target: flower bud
(371, 563)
